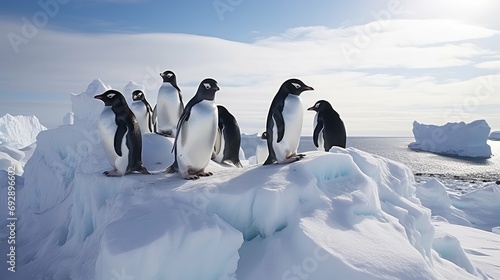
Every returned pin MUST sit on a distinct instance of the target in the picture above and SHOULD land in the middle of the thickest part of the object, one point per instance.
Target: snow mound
(478, 208)
(14, 159)
(434, 196)
(158, 238)
(457, 139)
(345, 213)
(495, 136)
(481, 206)
(485, 255)
(84, 107)
(19, 131)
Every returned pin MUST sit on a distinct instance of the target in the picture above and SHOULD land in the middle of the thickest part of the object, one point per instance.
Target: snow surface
(345, 214)
(495, 135)
(481, 247)
(19, 131)
(458, 139)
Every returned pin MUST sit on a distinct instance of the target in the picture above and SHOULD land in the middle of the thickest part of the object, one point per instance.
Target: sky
(381, 64)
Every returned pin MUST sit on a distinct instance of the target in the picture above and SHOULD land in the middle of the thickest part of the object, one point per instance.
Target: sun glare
(467, 9)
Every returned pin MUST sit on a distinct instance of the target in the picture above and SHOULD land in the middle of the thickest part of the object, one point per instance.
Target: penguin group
(204, 131)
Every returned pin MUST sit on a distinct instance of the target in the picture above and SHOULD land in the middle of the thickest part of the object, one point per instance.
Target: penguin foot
(269, 160)
(205, 174)
(106, 172)
(293, 158)
(143, 170)
(237, 163)
(192, 177)
(113, 173)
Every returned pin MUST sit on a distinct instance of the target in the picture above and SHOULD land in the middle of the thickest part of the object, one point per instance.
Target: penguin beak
(308, 88)
(98, 97)
(311, 108)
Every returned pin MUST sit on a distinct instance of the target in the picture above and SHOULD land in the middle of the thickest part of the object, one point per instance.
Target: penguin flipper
(120, 132)
(151, 116)
(153, 119)
(180, 99)
(280, 123)
(154, 114)
(184, 117)
(181, 106)
(317, 130)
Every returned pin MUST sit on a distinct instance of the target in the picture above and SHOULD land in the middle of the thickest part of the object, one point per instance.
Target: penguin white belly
(197, 138)
(262, 152)
(168, 108)
(321, 140)
(141, 114)
(107, 130)
(293, 118)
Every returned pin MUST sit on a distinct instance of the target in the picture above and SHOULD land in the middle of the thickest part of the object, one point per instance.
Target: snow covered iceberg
(19, 131)
(457, 139)
(345, 214)
(495, 135)
(17, 141)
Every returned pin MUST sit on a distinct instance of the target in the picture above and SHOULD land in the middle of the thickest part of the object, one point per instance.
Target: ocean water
(421, 163)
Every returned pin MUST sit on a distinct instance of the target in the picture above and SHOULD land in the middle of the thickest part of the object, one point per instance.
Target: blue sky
(382, 64)
(234, 20)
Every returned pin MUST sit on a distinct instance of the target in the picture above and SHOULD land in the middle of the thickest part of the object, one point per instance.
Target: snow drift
(458, 139)
(345, 214)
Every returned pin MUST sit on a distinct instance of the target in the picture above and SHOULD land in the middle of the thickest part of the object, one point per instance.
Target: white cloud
(372, 91)
(495, 64)
(383, 44)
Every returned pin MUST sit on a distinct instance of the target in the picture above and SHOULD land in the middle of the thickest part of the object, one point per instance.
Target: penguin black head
(294, 86)
(111, 98)
(320, 106)
(138, 95)
(263, 136)
(168, 77)
(207, 89)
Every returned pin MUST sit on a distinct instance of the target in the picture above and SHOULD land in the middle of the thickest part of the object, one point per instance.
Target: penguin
(284, 123)
(261, 152)
(120, 135)
(142, 111)
(228, 138)
(196, 132)
(329, 129)
(169, 105)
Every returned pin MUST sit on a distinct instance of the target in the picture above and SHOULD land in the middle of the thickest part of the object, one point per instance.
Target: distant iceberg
(495, 136)
(17, 137)
(19, 131)
(457, 139)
